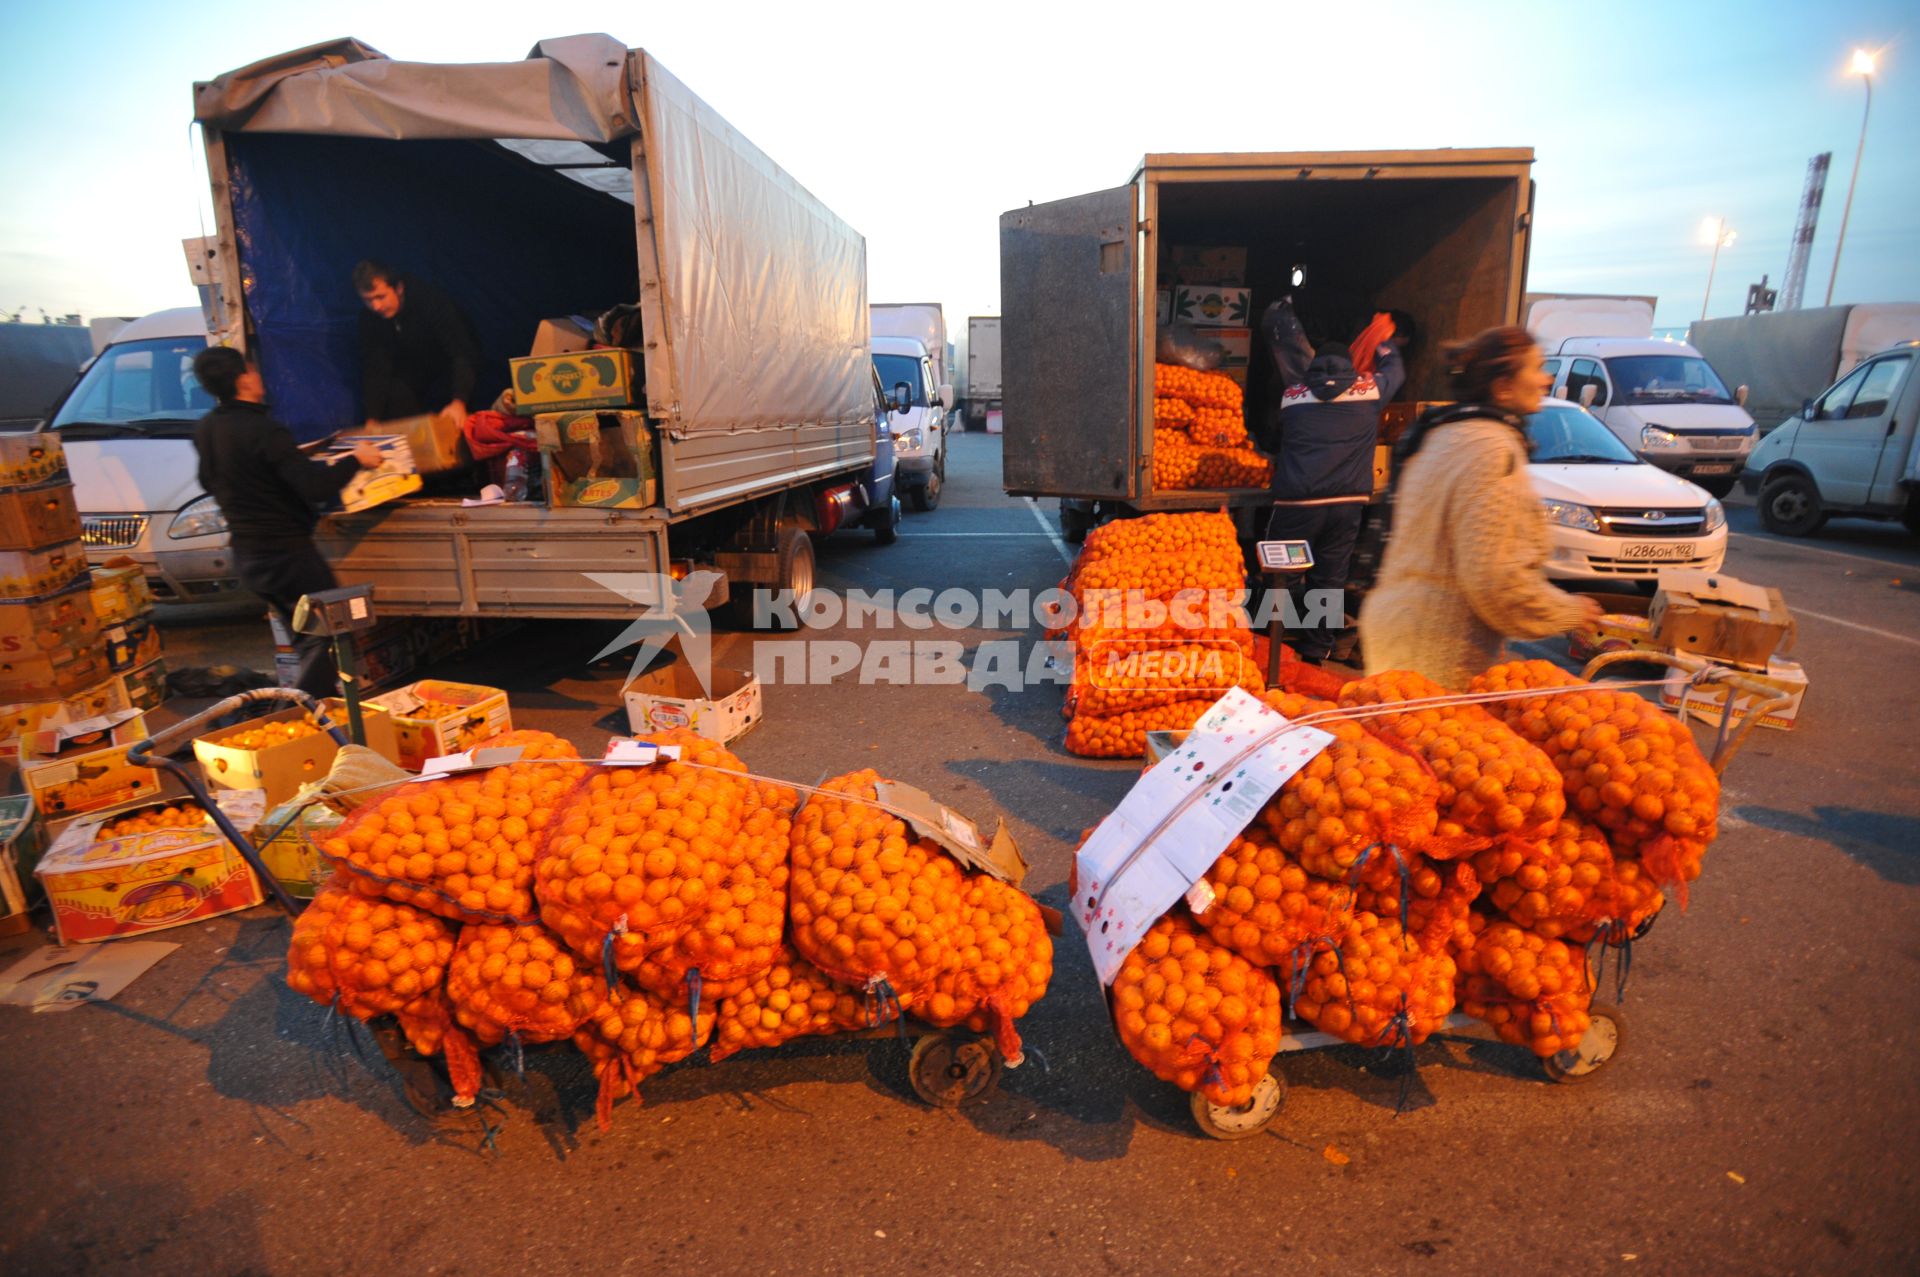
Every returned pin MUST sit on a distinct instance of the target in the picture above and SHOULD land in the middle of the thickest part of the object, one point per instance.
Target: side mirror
(1806, 409)
(1740, 396)
(946, 398)
(1588, 393)
(902, 396)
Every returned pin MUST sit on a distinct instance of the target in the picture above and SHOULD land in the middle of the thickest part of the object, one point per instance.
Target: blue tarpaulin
(511, 242)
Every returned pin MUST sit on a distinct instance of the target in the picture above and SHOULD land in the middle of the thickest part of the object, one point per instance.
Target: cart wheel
(1603, 1040)
(950, 1069)
(1251, 1118)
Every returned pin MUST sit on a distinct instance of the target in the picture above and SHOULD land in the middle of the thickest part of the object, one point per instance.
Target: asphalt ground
(1760, 1117)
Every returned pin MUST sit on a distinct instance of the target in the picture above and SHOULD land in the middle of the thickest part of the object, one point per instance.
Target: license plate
(1726, 469)
(1654, 551)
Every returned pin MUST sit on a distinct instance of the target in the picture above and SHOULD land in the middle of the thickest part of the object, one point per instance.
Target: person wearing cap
(271, 494)
(418, 352)
(1322, 438)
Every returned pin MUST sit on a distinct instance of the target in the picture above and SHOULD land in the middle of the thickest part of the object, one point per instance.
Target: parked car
(1612, 516)
(920, 405)
(1855, 450)
(127, 426)
(1662, 400)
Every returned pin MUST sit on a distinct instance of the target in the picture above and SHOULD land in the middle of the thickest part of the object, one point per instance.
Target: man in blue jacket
(1322, 439)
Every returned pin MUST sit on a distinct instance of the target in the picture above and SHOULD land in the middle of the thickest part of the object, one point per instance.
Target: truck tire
(1075, 523)
(1790, 505)
(886, 530)
(795, 565)
(1911, 515)
(927, 495)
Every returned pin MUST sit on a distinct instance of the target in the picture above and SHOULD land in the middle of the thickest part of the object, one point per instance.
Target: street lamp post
(1862, 66)
(1714, 230)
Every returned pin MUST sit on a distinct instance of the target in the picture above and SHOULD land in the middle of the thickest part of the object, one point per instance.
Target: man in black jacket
(271, 494)
(1322, 438)
(418, 353)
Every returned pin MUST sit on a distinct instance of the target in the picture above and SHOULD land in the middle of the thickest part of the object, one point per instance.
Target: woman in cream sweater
(1463, 567)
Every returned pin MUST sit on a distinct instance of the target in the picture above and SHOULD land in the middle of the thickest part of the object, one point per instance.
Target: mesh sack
(1197, 1014)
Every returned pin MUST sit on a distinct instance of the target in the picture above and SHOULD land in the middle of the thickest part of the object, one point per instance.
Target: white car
(127, 427)
(1612, 516)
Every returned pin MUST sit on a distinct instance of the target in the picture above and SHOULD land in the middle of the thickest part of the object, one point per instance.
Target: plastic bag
(1182, 344)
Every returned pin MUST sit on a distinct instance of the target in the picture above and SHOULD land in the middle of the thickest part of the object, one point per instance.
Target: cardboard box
(29, 459)
(562, 336)
(28, 574)
(1720, 617)
(120, 592)
(279, 769)
(82, 766)
(38, 516)
(393, 479)
(103, 888)
(23, 837)
(1235, 346)
(1382, 468)
(433, 718)
(132, 645)
(145, 688)
(1622, 627)
(1709, 701)
(106, 697)
(583, 379)
(291, 850)
(435, 442)
(1191, 264)
(377, 723)
(669, 695)
(1162, 307)
(1205, 306)
(602, 459)
(50, 647)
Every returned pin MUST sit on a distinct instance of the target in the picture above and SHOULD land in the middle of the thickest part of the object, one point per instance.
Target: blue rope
(883, 1004)
(1353, 879)
(693, 1001)
(606, 957)
(490, 1132)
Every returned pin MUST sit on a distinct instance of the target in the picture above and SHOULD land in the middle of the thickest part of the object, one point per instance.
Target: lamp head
(1862, 64)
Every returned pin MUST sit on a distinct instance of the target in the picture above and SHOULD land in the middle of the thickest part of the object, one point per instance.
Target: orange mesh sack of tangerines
(520, 982)
(790, 999)
(1535, 992)
(462, 846)
(1114, 675)
(1267, 908)
(1493, 784)
(1631, 769)
(629, 1039)
(1378, 987)
(1003, 962)
(1196, 1013)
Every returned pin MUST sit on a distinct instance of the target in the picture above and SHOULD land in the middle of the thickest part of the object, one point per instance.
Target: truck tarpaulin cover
(763, 288)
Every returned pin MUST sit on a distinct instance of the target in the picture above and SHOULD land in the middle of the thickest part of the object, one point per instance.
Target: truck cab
(918, 409)
(127, 427)
(1661, 399)
(1850, 451)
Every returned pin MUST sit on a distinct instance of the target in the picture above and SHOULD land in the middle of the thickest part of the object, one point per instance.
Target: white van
(127, 427)
(919, 410)
(1661, 399)
(1855, 450)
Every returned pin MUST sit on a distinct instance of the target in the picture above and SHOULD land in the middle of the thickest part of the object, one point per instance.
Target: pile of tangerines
(1200, 435)
(640, 912)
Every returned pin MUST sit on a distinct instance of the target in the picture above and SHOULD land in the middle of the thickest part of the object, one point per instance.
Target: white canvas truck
(1788, 357)
(581, 177)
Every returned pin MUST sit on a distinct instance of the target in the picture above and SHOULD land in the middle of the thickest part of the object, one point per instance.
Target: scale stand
(339, 614)
(1278, 561)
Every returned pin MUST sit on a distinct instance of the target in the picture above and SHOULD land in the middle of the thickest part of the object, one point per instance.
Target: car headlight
(1569, 515)
(199, 518)
(1716, 516)
(910, 438)
(1653, 438)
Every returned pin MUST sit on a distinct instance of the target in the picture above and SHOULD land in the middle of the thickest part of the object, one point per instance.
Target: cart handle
(156, 751)
(1730, 739)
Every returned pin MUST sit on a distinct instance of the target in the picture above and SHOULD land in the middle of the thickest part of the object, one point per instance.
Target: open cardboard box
(82, 766)
(1708, 701)
(1720, 617)
(102, 888)
(669, 695)
(279, 769)
(433, 718)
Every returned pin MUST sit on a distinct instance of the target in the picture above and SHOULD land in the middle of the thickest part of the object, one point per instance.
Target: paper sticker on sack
(1178, 818)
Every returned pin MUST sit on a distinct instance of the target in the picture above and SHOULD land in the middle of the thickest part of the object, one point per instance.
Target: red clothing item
(1366, 346)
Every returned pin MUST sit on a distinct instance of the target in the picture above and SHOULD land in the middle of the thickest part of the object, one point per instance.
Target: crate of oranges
(277, 753)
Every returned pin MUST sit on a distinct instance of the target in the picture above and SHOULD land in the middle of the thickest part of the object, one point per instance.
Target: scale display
(1284, 556)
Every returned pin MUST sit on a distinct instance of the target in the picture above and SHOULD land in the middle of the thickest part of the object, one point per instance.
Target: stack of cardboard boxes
(1206, 289)
(123, 609)
(594, 440)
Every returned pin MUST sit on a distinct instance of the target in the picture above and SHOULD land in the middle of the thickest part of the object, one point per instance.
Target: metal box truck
(983, 367)
(924, 322)
(1788, 357)
(1440, 235)
(579, 178)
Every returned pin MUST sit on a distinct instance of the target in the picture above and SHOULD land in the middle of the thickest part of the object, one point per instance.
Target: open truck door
(1068, 272)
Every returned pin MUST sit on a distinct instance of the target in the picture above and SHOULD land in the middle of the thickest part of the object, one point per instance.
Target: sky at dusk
(920, 124)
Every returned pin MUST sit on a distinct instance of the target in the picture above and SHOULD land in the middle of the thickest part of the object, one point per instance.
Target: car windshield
(137, 388)
(895, 369)
(1665, 379)
(1567, 435)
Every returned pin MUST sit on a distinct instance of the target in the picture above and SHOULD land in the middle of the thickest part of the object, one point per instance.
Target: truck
(925, 323)
(983, 368)
(582, 177)
(1787, 357)
(1852, 450)
(917, 407)
(1658, 396)
(1440, 235)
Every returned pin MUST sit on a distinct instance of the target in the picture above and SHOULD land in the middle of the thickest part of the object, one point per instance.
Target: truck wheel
(1716, 487)
(927, 495)
(887, 531)
(796, 565)
(1911, 515)
(1790, 505)
(1075, 523)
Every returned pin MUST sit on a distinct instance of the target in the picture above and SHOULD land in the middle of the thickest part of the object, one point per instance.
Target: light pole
(1713, 230)
(1862, 66)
